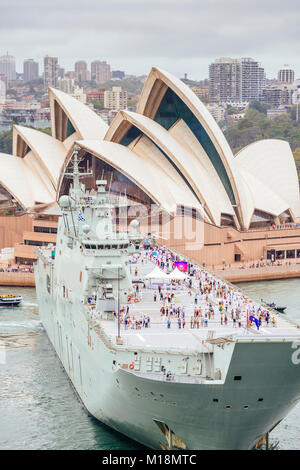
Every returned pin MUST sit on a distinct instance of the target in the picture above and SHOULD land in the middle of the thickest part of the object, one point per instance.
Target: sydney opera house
(169, 159)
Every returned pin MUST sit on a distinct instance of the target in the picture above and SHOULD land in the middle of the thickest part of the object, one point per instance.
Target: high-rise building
(100, 71)
(81, 71)
(50, 71)
(70, 74)
(261, 82)
(66, 84)
(251, 74)
(115, 99)
(225, 80)
(286, 75)
(30, 70)
(8, 66)
(235, 80)
(61, 72)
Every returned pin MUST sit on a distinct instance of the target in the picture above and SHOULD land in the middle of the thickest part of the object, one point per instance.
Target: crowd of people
(16, 269)
(216, 303)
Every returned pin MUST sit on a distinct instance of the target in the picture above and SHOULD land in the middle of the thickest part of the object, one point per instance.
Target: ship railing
(284, 338)
(174, 378)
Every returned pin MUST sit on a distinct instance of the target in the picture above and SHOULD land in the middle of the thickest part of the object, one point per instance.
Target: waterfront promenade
(238, 273)
(234, 273)
(20, 278)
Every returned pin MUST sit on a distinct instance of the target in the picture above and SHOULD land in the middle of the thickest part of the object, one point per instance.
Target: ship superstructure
(210, 388)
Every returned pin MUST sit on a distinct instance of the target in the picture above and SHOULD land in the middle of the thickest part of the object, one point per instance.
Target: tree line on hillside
(6, 140)
(256, 126)
(253, 127)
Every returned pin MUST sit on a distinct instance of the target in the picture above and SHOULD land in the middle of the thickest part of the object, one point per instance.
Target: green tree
(6, 139)
(6, 142)
(98, 104)
(231, 110)
(260, 106)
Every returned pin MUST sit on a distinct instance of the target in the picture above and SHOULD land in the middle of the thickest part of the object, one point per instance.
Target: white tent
(157, 274)
(177, 275)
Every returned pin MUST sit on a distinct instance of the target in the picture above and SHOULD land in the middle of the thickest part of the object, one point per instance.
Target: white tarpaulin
(177, 275)
(157, 274)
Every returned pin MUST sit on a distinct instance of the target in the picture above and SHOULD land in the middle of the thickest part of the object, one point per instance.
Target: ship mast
(75, 175)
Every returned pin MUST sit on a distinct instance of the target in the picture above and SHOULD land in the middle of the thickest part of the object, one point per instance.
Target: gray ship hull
(135, 405)
(184, 390)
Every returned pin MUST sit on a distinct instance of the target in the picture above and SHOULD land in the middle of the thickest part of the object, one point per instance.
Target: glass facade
(173, 108)
(133, 133)
(70, 129)
(130, 135)
(117, 182)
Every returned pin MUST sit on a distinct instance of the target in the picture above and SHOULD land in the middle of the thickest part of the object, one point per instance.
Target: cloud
(181, 36)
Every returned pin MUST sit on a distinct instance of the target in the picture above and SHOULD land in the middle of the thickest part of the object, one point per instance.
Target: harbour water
(38, 406)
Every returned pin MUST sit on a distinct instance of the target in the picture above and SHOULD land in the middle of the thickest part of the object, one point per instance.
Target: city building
(252, 79)
(100, 71)
(71, 74)
(275, 112)
(118, 74)
(4, 79)
(217, 111)
(279, 94)
(2, 92)
(50, 71)
(8, 66)
(115, 99)
(233, 118)
(93, 96)
(172, 162)
(67, 85)
(79, 94)
(238, 80)
(82, 73)
(286, 75)
(60, 72)
(262, 81)
(30, 70)
(202, 92)
(296, 94)
(225, 80)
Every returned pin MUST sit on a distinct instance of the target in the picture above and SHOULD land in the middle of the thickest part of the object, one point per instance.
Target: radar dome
(65, 202)
(134, 223)
(86, 228)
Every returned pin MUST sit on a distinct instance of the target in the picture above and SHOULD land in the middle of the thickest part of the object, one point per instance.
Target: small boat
(10, 300)
(276, 307)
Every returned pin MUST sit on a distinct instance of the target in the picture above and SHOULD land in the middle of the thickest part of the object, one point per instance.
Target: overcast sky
(133, 35)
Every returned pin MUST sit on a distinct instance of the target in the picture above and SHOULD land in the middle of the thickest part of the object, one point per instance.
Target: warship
(210, 388)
